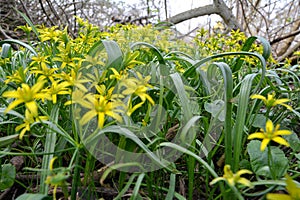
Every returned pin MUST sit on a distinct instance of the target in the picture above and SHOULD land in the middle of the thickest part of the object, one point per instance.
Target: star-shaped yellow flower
(291, 187)
(27, 95)
(137, 87)
(270, 134)
(271, 101)
(57, 88)
(232, 178)
(99, 106)
(28, 120)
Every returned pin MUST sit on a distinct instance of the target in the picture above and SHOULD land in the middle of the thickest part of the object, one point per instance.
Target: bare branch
(289, 52)
(193, 13)
(218, 7)
(285, 37)
(225, 12)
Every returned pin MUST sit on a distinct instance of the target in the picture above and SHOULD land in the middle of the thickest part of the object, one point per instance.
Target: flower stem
(270, 162)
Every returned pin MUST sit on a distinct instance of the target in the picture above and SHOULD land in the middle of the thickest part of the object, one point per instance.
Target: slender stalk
(270, 162)
(76, 175)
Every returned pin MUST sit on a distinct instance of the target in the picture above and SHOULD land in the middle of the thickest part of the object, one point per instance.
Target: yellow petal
(243, 171)
(11, 94)
(54, 98)
(282, 132)
(281, 141)
(264, 144)
(278, 197)
(258, 135)
(51, 163)
(32, 107)
(281, 101)
(38, 86)
(269, 126)
(215, 180)
(245, 182)
(258, 96)
(287, 106)
(22, 133)
(114, 115)
(13, 104)
(101, 119)
(292, 188)
(87, 117)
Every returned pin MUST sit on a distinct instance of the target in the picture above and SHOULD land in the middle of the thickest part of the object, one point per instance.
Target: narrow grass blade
(137, 186)
(240, 118)
(171, 190)
(126, 187)
(28, 21)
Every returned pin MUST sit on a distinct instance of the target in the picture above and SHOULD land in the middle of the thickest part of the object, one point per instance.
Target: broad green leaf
(294, 141)
(259, 160)
(259, 121)
(8, 175)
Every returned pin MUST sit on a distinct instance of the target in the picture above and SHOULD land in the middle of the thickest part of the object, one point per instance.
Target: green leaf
(171, 190)
(6, 51)
(259, 160)
(28, 21)
(259, 121)
(29, 196)
(11, 41)
(216, 108)
(294, 141)
(8, 174)
(7, 140)
(114, 53)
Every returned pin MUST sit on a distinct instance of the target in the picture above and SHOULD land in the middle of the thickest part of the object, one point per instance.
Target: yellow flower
(291, 187)
(27, 29)
(93, 61)
(99, 106)
(57, 179)
(270, 134)
(232, 178)
(75, 79)
(130, 61)
(57, 89)
(49, 34)
(28, 120)
(19, 76)
(139, 88)
(66, 56)
(45, 72)
(27, 95)
(271, 101)
(117, 75)
(41, 61)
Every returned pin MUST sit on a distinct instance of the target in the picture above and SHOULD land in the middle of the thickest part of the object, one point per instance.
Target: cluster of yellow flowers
(269, 134)
(64, 72)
